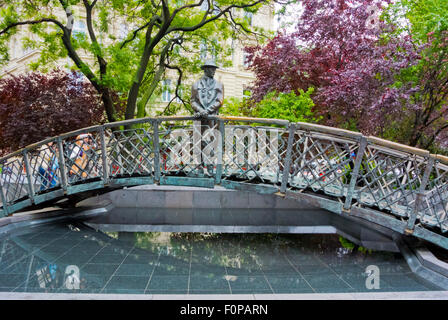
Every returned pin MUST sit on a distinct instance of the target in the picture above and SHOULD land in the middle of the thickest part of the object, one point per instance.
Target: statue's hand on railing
(201, 114)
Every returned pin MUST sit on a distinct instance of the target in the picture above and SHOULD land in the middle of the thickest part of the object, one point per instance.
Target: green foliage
(173, 109)
(351, 246)
(424, 16)
(346, 243)
(399, 130)
(287, 106)
(364, 250)
(349, 124)
(427, 24)
(235, 107)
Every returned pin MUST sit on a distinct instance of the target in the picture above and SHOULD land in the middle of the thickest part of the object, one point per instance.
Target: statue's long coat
(207, 94)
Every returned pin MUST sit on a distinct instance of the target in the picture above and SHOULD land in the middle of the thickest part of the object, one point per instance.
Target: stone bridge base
(193, 209)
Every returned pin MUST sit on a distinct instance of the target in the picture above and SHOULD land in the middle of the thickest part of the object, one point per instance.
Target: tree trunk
(132, 101)
(148, 94)
(147, 52)
(416, 135)
(108, 105)
(133, 92)
(416, 130)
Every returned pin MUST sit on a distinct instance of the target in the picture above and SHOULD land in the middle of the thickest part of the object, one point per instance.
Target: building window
(233, 50)
(123, 31)
(79, 28)
(204, 5)
(166, 93)
(213, 53)
(203, 49)
(216, 9)
(26, 49)
(248, 17)
(208, 50)
(246, 62)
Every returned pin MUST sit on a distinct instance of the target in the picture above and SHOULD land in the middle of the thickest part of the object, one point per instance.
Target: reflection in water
(75, 258)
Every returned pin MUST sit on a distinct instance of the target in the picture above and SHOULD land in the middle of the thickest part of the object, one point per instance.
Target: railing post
(156, 150)
(355, 172)
(3, 196)
(420, 195)
(26, 160)
(62, 168)
(287, 167)
(104, 157)
(221, 144)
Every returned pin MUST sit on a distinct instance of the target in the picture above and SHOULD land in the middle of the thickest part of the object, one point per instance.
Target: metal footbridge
(401, 188)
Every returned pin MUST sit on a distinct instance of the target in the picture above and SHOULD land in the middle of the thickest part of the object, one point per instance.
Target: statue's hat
(209, 63)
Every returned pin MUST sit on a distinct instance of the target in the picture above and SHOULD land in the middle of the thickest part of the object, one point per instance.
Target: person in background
(49, 166)
(81, 155)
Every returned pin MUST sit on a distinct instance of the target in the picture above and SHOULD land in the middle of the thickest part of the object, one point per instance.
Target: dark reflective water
(75, 258)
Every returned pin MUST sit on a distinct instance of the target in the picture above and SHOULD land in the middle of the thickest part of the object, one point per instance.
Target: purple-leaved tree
(344, 51)
(35, 105)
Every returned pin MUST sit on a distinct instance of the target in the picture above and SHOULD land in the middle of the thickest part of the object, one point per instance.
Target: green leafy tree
(287, 106)
(425, 124)
(235, 107)
(162, 35)
(421, 17)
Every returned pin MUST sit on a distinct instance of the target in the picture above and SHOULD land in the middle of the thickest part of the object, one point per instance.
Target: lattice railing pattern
(390, 180)
(82, 157)
(433, 211)
(405, 183)
(44, 168)
(130, 152)
(254, 153)
(13, 179)
(189, 150)
(322, 162)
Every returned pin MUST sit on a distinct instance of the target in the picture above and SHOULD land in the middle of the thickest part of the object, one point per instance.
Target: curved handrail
(403, 182)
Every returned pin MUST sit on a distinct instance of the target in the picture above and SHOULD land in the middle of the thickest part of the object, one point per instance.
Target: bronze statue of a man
(207, 94)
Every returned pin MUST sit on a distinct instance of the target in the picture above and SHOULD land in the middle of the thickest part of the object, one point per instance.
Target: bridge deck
(404, 186)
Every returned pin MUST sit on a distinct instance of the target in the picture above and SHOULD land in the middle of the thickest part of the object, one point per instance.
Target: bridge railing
(404, 182)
